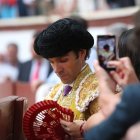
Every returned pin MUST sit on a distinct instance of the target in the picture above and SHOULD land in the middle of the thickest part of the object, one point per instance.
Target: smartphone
(106, 50)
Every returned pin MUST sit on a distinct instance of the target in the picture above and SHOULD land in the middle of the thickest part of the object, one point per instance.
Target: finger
(116, 77)
(67, 137)
(65, 126)
(118, 64)
(64, 122)
(127, 63)
(105, 99)
(96, 65)
(66, 129)
(99, 70)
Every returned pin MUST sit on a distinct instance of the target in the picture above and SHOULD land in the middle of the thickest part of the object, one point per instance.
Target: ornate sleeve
(94, 106)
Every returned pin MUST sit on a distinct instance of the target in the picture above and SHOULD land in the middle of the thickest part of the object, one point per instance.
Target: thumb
(100, 72)
(116, 77)
(96, 65)
(63, 122)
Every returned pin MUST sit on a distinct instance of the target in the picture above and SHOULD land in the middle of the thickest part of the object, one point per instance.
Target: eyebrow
(64, 55)
(58, 57)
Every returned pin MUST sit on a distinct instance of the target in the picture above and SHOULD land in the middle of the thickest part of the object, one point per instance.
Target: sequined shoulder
(53, 92)
(88, 92)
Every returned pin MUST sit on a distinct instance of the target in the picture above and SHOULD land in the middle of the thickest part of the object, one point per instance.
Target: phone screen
(106, 50)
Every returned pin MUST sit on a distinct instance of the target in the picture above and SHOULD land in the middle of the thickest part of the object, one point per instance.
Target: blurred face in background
(12, 53)
(2, 58)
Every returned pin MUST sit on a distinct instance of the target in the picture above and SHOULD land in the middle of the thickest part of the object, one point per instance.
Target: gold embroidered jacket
(82, 99)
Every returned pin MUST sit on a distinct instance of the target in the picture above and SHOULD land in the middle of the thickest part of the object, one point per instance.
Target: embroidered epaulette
(53, 92)
(85, 88)
(86, 93)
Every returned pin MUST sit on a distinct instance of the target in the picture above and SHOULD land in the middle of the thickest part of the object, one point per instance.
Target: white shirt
(53, 78)
(43, 72)
(92, 57)
(8, 71)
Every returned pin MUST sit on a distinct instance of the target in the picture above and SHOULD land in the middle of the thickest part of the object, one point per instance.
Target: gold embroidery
(85, 86)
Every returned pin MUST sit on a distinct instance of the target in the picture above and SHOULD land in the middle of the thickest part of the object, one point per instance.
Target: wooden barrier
(6, 89)
(22, 89)
(12, 109)
(19, 89)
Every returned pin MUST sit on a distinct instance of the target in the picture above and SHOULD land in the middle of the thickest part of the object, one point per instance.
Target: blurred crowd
(34, 71)
(37, 71)
(22, 8)
(119, 118)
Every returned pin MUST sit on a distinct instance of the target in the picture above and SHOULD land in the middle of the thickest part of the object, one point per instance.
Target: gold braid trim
(84, 87)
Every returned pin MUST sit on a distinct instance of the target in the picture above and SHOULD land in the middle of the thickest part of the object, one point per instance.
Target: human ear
(82, 54)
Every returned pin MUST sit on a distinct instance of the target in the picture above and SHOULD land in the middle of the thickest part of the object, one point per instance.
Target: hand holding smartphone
(106, 50)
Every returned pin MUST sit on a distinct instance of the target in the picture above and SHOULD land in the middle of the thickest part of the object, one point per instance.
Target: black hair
(12, 45)
(127, 47)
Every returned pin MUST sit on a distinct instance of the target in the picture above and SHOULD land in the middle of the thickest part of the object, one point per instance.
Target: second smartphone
(106, 50)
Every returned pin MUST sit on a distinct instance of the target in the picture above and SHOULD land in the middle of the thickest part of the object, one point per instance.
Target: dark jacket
(25, 70)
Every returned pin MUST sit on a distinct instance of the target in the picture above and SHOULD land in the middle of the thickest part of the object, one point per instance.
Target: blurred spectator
(8, 8)
(108, 101)
(129, 41)
(100, 4)
(65, 7)
(12, 55)
(125, 114)
(35, 70)
(127, 47)
(30, 6)
(9, 63)
(45, 7)
(22, 8)
(2, 58)
(27, 7)
(7, 72)
(117, 29)
(120, 3)
(85, 6)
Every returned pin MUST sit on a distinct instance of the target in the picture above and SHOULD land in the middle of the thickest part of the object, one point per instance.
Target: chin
(65, 81)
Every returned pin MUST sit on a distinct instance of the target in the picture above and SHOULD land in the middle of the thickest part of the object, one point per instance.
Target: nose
(57, 68)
